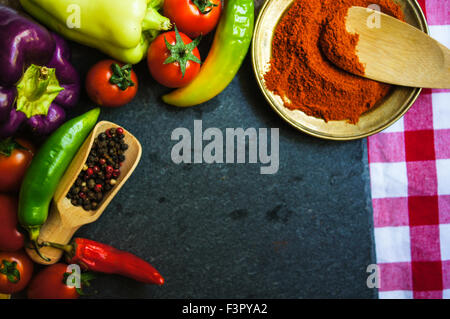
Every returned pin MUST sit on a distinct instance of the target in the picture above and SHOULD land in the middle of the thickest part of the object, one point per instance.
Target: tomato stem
(121, 76)
(181, 52)
(204, 6)
(8, 145)
(9, 269)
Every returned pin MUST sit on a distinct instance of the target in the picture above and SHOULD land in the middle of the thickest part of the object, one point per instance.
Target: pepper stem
(66, 248)
(36, 90)
(155, 21)
(34, 234)
(36, 247)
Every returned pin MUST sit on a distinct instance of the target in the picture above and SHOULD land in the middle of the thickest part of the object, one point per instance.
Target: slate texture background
(224, 230)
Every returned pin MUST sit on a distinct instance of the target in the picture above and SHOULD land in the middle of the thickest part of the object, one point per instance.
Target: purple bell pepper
(37, 81)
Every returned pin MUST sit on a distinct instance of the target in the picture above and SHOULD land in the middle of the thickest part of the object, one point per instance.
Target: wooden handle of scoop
(54, 230)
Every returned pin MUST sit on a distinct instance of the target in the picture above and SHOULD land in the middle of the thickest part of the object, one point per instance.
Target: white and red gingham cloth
(410, 179)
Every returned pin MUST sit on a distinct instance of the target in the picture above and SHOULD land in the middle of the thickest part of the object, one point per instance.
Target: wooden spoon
(395, 52)
(64, 218)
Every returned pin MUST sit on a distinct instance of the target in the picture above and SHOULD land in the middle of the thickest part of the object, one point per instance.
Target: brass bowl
(387, 112)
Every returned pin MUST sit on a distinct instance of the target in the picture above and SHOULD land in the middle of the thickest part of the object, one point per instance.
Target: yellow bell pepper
(121, 29)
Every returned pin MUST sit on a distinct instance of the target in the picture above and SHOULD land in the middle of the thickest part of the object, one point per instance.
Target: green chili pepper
(230, 46)
(46, 170)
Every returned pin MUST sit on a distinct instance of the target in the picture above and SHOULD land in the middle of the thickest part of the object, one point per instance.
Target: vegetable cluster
(38, 84)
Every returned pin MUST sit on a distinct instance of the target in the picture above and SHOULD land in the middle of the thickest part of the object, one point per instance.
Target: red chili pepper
(98, 257)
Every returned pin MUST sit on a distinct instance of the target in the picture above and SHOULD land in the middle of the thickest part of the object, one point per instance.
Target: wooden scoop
(64, 218)
(395, 52)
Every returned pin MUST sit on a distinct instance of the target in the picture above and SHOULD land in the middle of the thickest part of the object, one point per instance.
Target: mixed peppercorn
(101, 170)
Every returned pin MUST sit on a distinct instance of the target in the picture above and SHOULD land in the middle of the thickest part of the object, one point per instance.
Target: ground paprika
(301, 74)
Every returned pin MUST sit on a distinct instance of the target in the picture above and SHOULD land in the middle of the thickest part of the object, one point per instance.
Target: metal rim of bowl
(415, 94)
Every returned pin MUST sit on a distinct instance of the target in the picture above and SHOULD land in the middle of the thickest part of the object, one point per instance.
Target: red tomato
(15, 156)
(48, 284)
(188, 17)
(16, 269)
(110, 83)
(10, 238)
(170, 74)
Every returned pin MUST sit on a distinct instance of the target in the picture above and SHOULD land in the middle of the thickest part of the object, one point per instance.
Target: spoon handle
(398, 53)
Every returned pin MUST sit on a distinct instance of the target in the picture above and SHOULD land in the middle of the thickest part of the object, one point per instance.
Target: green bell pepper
(121, 29)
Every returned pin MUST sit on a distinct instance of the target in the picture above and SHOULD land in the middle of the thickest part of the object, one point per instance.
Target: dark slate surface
(225, 230)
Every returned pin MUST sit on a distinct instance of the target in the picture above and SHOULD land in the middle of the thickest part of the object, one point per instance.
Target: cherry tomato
(167, 64)
(16, 269)
(11, 239)
(49, 284)
(110, 83)
(193, 17)
(15, 156)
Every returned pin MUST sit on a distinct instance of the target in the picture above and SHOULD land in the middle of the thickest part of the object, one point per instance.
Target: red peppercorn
(102, 161)
(89, 171)
(108, 133)
(116, 173)
(98, 188)
(119, 131)
(82, 195)
(96, 169)
(108, 175)
(109, 169)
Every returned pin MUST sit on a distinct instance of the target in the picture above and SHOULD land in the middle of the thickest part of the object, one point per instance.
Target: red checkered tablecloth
(410, 179)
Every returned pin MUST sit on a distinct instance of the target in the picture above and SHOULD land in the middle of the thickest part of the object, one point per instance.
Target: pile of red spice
(303, 76)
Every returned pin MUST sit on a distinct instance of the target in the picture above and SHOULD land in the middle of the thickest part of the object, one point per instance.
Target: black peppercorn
(100, 171)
